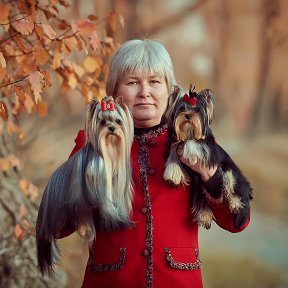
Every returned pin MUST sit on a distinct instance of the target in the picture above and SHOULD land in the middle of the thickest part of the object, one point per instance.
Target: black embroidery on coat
(144, 161)
(183, 266)
(107, 267)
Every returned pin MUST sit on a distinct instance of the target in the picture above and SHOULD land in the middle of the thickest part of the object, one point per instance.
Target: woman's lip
(144, 104)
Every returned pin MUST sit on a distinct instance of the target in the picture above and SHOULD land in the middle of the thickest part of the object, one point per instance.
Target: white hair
(140, 57)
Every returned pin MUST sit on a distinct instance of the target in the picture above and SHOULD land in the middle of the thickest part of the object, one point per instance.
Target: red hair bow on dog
(107, 106)
(190, 100)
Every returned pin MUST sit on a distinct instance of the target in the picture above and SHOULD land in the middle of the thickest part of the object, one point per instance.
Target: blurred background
(239, 50)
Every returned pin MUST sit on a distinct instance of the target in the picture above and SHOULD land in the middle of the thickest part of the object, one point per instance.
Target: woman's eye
(102, 122)
(118, 121)
(132, 83)
(154, 81)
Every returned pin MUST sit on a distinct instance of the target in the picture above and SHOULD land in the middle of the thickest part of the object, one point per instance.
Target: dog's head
(191, 114)
(109, 123)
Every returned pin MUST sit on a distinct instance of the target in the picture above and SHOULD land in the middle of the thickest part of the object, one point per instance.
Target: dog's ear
(92, 105)
(172, 100)
(209, 97)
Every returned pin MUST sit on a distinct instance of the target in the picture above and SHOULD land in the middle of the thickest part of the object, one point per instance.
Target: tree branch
(13, 21)
(9, 38)
(11, 83)
(172, 19)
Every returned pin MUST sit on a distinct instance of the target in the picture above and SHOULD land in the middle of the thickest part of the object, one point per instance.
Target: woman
(162, 249)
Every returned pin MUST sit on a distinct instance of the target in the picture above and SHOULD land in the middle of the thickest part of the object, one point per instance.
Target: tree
(36, 45)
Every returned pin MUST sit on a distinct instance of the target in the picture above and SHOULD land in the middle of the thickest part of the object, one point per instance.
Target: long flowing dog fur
(96, 181)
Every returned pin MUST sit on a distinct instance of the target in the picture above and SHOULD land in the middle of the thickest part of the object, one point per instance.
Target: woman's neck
(143, 130)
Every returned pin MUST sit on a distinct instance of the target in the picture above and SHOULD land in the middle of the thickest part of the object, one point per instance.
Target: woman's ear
(119, 101)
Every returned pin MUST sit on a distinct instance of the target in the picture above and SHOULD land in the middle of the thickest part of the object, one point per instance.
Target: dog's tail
(54, 217)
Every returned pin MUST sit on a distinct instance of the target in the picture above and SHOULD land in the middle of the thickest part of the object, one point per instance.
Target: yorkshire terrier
(93, 188)
(189, 117)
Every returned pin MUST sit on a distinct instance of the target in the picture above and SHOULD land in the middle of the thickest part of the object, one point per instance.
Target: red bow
(190, 100)
(107, 106)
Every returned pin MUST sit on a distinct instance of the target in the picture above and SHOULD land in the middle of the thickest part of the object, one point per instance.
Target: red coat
(162, 249)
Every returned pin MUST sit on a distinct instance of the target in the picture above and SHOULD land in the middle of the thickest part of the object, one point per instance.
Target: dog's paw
(192, 152)
(173, 174)
(204, 218)
(235, 204)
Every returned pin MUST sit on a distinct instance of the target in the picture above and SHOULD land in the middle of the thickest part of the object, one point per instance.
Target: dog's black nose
(111, 128)
(188, 117)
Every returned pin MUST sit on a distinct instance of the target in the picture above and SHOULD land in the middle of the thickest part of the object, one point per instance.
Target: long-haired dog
(189, 117)
(93, 187)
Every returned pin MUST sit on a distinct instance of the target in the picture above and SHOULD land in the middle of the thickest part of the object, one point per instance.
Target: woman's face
(146, 96)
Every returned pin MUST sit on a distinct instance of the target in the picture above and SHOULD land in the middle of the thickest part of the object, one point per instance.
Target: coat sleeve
(79, 143)
(213, 191)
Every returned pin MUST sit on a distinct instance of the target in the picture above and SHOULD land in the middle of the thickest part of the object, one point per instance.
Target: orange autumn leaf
(56, 63)
(4, 164)
(48, 30)
(42, 109)
(112, 21)
(85, 27)
(70, 43)
(22, 210)
(92, 17)
(29, 103)
(72, 80)
(3, 73)
(2, 60)
(4, 13)
(91, 64)
(11, 127)
(20, 43)
(24, 186)
(25, 27)
(3, 111)
(53, 2)
(95, 41)
(28, 189)
(79, 70)
(47, 78)
(20, 94)
(28, 227)
(14, 161)
(39, 31)
(36, 80)
(41, 55)
(19, 232)
(121, 20)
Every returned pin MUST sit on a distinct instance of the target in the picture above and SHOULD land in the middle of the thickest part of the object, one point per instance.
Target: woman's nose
(144, 90)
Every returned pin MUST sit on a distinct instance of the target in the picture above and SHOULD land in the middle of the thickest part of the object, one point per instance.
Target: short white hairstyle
(140, 57)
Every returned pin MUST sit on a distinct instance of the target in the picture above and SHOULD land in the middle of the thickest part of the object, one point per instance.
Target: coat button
(145, 252)
(144, 210)
(152, 143)
(152, 171)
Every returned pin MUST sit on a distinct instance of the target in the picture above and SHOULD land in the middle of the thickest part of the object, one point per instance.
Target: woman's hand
(205, 172)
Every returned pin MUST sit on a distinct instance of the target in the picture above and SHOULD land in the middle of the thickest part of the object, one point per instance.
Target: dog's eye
(102, 122)
(182, 108)
(118, 121)
(196, 109)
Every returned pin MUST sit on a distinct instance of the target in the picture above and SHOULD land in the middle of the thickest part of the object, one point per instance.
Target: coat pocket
(100, 262)
(184, 258)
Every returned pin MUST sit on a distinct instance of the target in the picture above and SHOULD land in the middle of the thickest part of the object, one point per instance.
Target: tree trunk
(18, 214)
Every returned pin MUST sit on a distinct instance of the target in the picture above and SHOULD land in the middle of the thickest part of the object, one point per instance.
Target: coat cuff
(214, 186)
